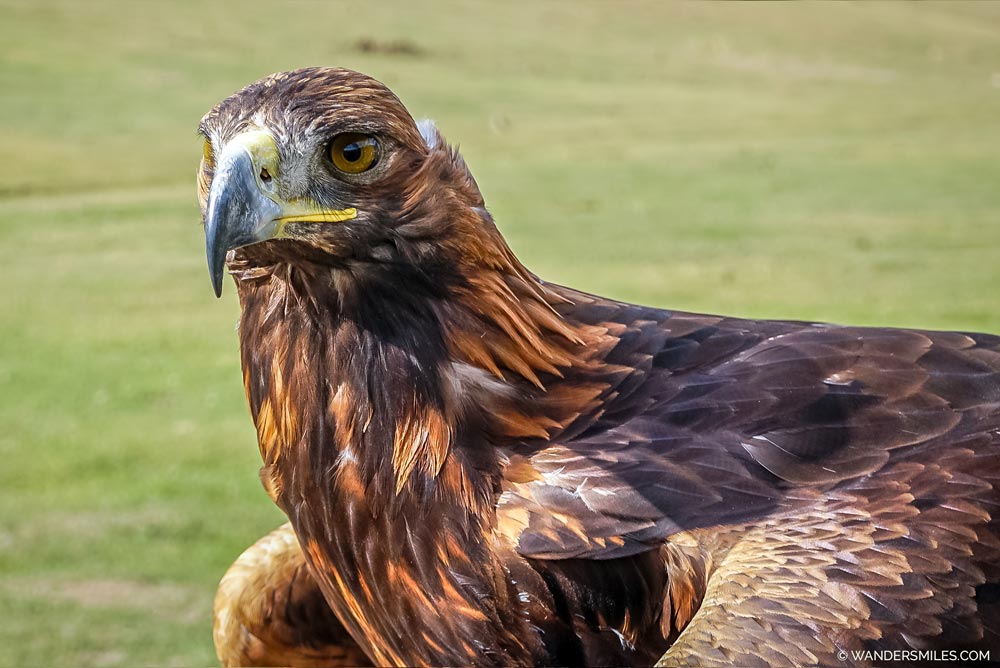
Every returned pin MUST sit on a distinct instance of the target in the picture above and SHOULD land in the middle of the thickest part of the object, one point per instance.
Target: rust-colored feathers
(480, 468)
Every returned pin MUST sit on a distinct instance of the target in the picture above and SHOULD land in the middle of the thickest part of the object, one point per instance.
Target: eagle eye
(353, 152)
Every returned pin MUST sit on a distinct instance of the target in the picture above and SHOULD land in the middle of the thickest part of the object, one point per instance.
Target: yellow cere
(262, 148)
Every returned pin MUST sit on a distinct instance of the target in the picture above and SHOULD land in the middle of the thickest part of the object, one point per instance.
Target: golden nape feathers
(481, 468)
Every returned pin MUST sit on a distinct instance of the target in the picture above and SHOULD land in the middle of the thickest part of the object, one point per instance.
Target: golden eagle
(482, 468)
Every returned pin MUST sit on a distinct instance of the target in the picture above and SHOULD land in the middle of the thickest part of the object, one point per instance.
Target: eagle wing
(785, 458)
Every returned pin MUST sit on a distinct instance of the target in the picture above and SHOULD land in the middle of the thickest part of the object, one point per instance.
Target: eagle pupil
(352, 152)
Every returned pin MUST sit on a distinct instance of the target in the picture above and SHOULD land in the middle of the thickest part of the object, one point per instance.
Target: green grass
(835, 162)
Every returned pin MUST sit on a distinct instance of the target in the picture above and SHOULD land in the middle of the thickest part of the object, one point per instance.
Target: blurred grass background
(837, 162)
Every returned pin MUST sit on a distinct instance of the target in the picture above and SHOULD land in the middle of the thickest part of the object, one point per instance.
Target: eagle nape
(483, 468)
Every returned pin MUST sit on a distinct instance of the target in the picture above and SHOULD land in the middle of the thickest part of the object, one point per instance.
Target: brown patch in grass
(396, 47)
(178, 603)
(94, 523)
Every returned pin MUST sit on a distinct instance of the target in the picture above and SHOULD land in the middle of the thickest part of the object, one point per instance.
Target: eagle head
(353, 230)
(324, 167)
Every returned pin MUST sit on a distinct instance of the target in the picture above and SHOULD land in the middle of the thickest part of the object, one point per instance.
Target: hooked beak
(243, 207)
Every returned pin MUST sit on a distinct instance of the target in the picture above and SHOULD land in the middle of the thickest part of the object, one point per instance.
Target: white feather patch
(428, 130)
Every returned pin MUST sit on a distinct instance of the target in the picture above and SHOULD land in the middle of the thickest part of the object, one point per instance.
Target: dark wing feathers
(731, 415)
(862, 464)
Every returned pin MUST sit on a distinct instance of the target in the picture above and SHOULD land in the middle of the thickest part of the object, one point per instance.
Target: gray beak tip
(216, 264)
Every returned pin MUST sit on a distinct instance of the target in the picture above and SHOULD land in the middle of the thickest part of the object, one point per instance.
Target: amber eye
(208, 154)
(353, 152)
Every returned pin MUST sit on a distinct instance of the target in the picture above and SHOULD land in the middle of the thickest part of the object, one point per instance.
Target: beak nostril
(265, 175)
